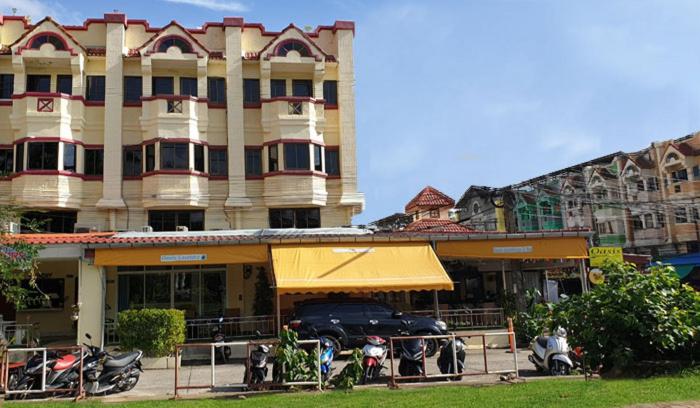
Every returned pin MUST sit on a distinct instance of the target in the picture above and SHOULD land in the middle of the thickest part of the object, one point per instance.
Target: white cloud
(216, 5)
(571, 145)
(38, 9)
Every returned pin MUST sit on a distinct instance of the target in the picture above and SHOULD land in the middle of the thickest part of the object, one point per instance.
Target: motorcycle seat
(542, 341)
(65, 362)
(121, 360)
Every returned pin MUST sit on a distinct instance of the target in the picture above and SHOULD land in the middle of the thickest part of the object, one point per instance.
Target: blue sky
(481, 92)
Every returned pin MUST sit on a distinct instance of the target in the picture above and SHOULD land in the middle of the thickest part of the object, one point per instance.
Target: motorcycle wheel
(130, 382)
(557, 368)
(367, 375)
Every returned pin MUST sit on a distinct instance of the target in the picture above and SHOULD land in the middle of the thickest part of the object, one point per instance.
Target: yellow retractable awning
(354, 267)
(181, 255)
(527, 248)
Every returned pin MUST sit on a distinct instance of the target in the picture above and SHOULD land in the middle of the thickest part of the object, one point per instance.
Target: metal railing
(231, 327)
(20, 334)
(485, 318)
(212, 354)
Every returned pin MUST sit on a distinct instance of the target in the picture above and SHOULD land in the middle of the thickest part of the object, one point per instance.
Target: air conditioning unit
(181, 228)
(83, 229)
(13, 228)
(146, 228)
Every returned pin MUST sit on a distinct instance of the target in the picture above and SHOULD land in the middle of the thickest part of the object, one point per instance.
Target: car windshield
(315, 309)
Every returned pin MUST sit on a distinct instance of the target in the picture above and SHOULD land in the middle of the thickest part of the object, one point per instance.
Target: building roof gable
(430, 197)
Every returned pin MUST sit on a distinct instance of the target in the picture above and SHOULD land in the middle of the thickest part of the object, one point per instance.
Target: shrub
(633, 317)
(154, 331)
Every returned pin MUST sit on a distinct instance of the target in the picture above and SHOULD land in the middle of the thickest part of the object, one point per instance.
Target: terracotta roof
(436, 225)
(97, 51)
(58, 239)
(430, 197)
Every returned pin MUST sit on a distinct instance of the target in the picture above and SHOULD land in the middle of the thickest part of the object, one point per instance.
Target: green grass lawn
(545, 393)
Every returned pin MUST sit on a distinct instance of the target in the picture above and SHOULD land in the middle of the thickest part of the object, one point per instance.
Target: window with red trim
(293, 45)
(178, 42)
(52, 39)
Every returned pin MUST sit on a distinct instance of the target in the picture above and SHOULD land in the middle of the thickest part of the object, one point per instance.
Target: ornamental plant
(633, 317)
(156, 332)
(18, 261)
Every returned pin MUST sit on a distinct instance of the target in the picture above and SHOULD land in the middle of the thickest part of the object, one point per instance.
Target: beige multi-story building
(116, 125)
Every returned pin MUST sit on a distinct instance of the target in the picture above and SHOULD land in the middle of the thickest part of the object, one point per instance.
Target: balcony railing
(20, 334)
(486, 318)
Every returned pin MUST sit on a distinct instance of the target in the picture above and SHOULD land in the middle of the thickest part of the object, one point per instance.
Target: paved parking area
(160, 383)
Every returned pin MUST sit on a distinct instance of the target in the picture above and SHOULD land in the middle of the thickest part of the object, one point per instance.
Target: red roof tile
(430, 197)
(436, 225)
(58, 239)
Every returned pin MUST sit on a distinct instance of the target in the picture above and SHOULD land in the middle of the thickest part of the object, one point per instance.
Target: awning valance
(529, 248)
(181, 255)
(355, 267)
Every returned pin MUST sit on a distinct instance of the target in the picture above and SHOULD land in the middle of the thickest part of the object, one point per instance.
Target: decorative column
(114, 68)
(237, 198)
(345, 31)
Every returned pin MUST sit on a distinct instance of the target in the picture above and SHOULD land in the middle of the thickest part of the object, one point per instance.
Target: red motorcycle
(374, 354)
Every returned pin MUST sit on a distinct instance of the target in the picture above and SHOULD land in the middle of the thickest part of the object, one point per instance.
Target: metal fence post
(213, 363)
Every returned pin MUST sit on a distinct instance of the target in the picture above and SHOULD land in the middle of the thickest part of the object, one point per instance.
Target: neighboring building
(430, 203)
(115, 125)
(481, 208)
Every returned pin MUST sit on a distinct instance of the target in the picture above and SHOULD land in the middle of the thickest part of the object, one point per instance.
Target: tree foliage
(292, 363)
(18, 261)
(262, 304)
(633, 317)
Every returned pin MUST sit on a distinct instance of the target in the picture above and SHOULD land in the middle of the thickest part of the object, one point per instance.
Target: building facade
(117, 125)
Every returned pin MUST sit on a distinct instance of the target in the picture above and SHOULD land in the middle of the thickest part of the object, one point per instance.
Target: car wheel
(431, 345)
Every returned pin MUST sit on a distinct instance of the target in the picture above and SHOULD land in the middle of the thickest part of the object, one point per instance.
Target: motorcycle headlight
(441, 325)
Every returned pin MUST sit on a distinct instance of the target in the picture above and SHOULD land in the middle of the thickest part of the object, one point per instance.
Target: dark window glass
(163, 86)
(218, 165)
(133, 88)
(297, 46)
(318, 153)
(188, 86)
(199, 157)
(251, 91)
(6, 161)
(180, 43)
(94, 162)
(296, 156)
(295, 218)
(131, 292)
(38, 83)
(217, 90)
(19, 158)
(253, 162)
(69, 154)
(164, 220)
(332, 162)
(278, 87)
(37, 42)
(49, 221)
(174, 156)
(64, 84)
(45, 294)
(272, 158)
(378, 311)
(302, 87)
(681, 216)
(7, 86)
(132, 161)
(42, 156)
(330, 92)
(150, 157)
(696, 171)
(95, 88)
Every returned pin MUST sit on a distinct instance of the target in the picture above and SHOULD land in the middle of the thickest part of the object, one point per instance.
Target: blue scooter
(326, 358)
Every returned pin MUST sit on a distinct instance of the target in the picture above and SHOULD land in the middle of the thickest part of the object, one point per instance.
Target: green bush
(633, 317)
(153, 331)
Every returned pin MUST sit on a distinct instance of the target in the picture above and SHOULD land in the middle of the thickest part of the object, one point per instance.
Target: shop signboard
(599, 255)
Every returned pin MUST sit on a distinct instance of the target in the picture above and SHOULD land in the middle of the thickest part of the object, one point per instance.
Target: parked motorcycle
(217, 335)
(411, 357)
(327, 354)
(256, 370)
(105, 373)
(62, 371)
(447, 358)
(551, 353)
(373, 356)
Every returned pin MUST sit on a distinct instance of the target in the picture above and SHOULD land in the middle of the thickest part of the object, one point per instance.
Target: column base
(238, 202)
(111, 203)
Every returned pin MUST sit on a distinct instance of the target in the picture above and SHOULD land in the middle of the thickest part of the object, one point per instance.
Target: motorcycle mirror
(397, 315)
(258, 334)
(89, 337)
(221, 319)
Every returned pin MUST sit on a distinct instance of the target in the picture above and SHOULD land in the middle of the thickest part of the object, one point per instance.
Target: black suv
(347, 322)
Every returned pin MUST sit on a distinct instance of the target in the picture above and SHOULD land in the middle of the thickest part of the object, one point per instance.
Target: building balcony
(174, 116)
(48, 114)
(47, 189)
(295, 188)
(175, 189)
(293, 118)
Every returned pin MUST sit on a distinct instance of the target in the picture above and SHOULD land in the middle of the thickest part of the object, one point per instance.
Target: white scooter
(551, 353)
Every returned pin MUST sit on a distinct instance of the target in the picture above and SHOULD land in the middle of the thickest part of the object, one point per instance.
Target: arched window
(475, 208)
(52, 39)
(293, 45)
(671, 157)
(178, 42)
